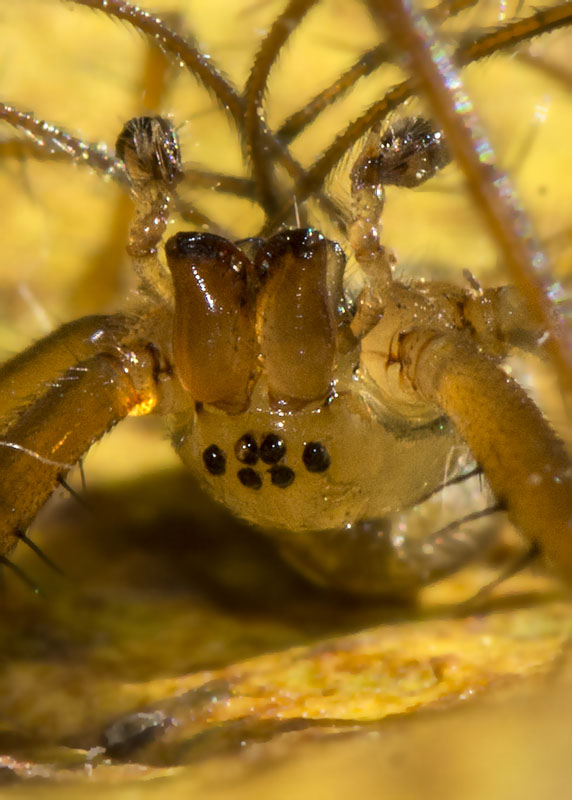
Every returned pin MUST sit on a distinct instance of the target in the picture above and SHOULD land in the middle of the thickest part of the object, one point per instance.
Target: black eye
(249, 478)
(282, 476)
(272, 449)
(214, 460)
(246, 449)
(315, 457)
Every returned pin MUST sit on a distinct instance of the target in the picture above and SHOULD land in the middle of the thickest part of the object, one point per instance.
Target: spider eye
(316, 457)
(249, 478)
(214, 460)
(282, 476)
(272, 449)
(246, 449)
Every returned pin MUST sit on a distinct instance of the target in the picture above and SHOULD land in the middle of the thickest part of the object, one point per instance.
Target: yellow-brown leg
(66, 412)
(26, 376)
(524, 461)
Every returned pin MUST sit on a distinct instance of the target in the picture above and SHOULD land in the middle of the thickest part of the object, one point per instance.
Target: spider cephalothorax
(321, 409)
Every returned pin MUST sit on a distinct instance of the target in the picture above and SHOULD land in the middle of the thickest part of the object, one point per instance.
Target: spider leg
(524, 560)
(489, 186)
(255, 124)
(484, 45)
(27, 375)
(393, 556)
(52, 419)
(524, 461)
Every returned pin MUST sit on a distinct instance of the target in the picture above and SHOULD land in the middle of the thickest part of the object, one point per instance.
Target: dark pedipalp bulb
(149, 148)
(214, 342)
(409, 153)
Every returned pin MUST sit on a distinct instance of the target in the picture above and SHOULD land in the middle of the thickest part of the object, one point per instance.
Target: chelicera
(323, 413)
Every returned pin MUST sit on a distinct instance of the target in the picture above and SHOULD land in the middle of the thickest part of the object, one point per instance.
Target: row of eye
(272, 449)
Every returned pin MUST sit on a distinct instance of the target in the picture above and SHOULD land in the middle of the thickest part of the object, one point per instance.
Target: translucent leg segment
(63, 415)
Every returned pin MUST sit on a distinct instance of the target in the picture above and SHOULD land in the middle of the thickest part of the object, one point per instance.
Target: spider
(326, 405)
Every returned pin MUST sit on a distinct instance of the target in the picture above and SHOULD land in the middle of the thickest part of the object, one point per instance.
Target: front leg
(525, 463)
(63, 394)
